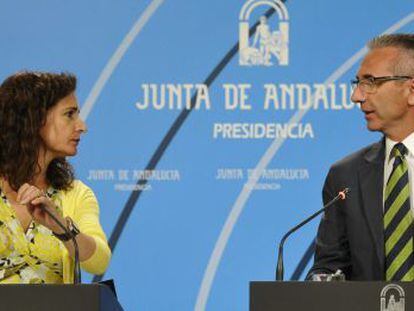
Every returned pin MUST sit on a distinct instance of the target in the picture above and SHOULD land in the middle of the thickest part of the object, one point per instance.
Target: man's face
(387, 109)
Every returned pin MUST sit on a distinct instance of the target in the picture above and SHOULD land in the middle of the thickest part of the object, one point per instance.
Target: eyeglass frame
(355, 83)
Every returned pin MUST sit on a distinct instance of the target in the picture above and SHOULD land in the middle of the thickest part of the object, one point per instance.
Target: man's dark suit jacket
(350, 235)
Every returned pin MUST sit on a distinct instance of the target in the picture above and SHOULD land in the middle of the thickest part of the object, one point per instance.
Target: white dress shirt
(389, 144)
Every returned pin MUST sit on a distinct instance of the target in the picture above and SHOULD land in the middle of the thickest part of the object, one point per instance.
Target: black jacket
(351, 234)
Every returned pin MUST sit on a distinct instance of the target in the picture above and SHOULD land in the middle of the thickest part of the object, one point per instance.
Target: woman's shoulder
(77, 189)
(79, 185)
(78, 195)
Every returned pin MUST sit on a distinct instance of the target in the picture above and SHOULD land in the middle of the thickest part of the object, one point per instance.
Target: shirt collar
(408, 142)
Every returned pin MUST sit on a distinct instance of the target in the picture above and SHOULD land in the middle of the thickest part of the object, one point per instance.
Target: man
(369, 236)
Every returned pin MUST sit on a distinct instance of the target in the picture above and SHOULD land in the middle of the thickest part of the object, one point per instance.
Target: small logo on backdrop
(392, 298)
(269, 45)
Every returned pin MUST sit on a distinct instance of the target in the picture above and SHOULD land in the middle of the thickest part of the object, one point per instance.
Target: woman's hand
(36, 202)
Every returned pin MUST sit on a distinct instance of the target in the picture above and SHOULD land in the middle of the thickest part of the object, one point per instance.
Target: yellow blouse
(37, 256)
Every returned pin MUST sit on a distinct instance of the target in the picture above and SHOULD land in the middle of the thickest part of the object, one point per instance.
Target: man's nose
(358, 96)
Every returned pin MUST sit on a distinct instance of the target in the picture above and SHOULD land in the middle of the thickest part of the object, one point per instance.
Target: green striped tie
(398, 221)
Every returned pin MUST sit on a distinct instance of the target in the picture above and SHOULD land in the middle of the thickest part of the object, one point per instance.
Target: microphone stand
(279, 269)
(77, 272)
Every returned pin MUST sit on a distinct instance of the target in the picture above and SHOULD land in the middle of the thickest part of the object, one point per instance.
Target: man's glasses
(370, 85)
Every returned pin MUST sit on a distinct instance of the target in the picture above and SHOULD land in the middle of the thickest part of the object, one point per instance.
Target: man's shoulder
(354, 159)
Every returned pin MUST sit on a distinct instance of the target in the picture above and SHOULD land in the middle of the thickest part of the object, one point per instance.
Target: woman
(39, 127)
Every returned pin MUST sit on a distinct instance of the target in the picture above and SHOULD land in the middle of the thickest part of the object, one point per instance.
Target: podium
(81, 297)
(337, 296)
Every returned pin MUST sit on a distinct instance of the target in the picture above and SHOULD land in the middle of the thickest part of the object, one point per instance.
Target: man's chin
(373, 127)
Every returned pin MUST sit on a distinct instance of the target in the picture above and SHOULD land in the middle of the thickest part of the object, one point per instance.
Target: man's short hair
(403, 41)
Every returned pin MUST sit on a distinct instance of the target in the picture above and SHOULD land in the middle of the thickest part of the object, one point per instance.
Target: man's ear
(411, 93)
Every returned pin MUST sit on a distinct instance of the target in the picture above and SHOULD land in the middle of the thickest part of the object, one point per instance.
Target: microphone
(279, 269)
(77, 272)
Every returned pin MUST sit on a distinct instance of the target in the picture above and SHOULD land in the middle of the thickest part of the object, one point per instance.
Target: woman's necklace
(7, 194)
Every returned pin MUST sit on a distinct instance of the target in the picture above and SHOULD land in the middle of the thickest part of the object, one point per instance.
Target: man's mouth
(369, 114)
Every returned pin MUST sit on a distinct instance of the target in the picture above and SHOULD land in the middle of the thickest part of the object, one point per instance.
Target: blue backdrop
(239, 131)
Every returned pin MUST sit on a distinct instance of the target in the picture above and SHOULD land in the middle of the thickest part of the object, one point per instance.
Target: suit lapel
(371, 177)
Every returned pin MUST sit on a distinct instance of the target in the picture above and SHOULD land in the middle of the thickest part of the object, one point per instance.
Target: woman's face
(63, 128)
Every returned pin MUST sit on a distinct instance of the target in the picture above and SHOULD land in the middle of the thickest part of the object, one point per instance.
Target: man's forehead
(378, 62)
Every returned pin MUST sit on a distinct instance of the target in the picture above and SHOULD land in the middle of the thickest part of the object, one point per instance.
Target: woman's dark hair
(25, 99)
